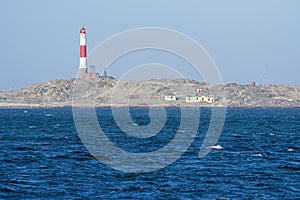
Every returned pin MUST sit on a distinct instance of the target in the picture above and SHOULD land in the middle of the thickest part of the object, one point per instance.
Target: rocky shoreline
(108, 92)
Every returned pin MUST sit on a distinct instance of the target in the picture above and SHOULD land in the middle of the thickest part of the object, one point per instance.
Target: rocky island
(107, 91)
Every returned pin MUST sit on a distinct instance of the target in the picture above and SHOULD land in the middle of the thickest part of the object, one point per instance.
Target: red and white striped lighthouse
(82, 60)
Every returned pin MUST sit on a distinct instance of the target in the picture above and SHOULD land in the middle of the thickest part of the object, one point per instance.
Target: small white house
(190, 99)
(170, 98)
(196, 99)
(207, 99)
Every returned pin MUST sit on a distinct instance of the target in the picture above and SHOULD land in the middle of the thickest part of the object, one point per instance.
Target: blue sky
(248, 40)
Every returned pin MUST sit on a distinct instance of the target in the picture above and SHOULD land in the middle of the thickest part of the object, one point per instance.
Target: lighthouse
(82, 59)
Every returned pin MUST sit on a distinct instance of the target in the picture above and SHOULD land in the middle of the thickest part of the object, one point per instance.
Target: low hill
(106, 91)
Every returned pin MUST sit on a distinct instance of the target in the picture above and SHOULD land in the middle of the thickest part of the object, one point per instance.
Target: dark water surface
(42, 157)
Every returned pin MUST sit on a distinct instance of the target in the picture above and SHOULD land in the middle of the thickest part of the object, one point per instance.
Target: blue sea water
(42, 157)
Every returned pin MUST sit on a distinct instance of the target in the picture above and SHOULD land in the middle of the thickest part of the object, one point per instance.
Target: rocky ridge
(106, 91)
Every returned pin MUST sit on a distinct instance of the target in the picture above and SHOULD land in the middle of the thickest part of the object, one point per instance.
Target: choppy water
(42, 157)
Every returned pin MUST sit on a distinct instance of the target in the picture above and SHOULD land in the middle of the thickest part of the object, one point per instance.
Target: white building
(207, 99)
(201, 99)
(190, 99)
(170, 98)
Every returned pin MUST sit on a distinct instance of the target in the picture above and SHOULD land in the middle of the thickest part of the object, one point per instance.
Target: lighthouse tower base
(82, 72)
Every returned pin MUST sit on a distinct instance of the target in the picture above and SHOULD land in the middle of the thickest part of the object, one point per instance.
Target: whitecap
(290, 150)
(258, 155)
(215, 147)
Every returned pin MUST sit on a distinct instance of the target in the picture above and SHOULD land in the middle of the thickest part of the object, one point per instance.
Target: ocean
(256, 157)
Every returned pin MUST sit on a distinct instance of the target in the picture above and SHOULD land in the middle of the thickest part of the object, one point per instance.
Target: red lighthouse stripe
(82, 51)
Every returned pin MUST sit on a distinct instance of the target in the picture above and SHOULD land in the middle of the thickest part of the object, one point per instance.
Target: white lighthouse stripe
(82, 62)
(82, 40)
